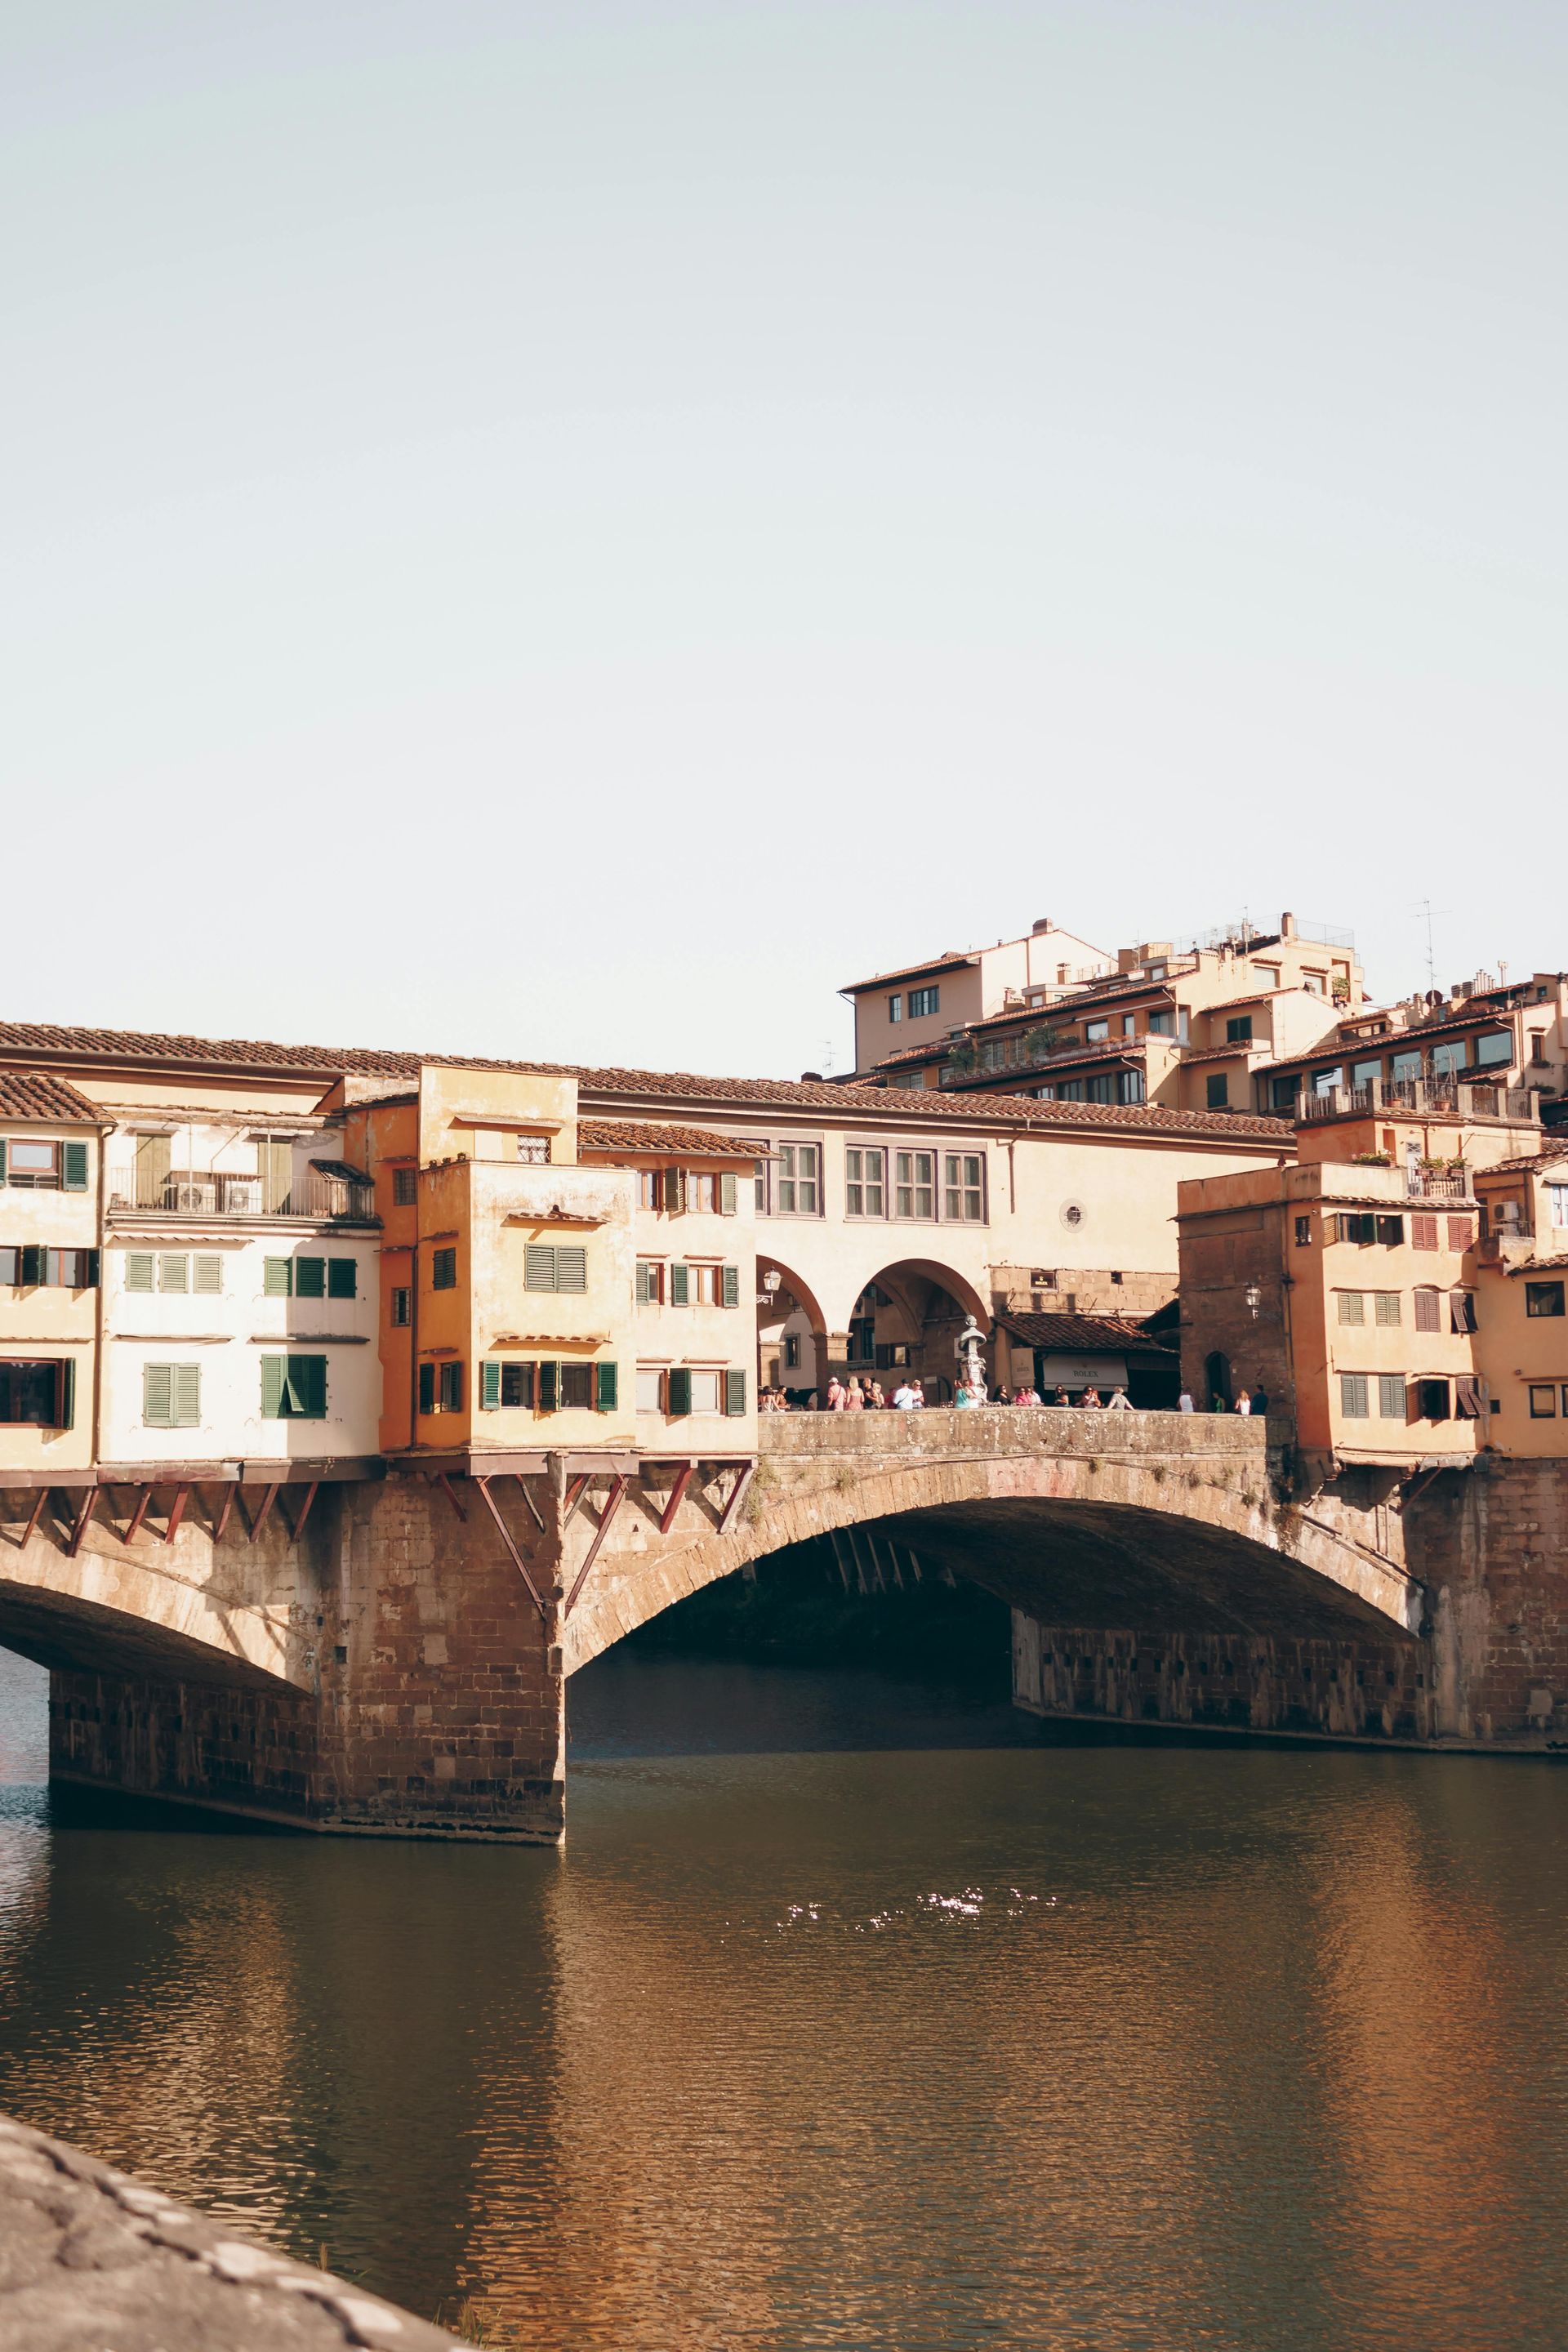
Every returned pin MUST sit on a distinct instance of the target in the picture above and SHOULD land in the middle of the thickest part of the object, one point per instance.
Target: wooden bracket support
(296, 1528)
(574, 1493)
(176, 1513)
(683, 1477)
(526, 1491)
(517, 1561)
(259, 1521)
(133, 1528)
(221, 1523)
(445, 1483)
(31, 1528)
(745, 1474)
(89, 1504)
(612, 1505)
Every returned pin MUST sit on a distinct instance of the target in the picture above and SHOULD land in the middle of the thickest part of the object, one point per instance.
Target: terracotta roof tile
(951, 960)
(1527, 1163)
(26, 1094)
(1114, 1333)
(649, 1135)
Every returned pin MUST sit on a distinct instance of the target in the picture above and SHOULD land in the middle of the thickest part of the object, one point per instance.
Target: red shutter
(1424, 1232)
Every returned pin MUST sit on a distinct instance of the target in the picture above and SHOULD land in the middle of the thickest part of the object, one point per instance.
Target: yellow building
(1522, 1343)
(51, 1197)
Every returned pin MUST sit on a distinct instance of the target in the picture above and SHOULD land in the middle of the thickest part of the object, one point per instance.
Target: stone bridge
(389, 1655)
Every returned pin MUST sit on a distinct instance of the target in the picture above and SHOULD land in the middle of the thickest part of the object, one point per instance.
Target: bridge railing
(1013, 1429)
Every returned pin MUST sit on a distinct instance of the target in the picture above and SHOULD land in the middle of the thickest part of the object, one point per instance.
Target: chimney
(1287, 926)
(1042, 923)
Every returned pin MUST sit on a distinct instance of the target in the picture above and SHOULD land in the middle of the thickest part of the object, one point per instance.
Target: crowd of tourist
(855, 1395)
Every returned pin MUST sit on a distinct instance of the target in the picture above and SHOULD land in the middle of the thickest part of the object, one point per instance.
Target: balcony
(215, 1193)
(1411, 1098)
(1437, 1184)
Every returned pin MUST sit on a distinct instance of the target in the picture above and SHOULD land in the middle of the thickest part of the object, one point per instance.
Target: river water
(854, 2014)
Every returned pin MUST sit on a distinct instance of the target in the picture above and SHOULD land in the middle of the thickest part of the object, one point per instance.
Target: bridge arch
(908, 1318)
(1061, 1517)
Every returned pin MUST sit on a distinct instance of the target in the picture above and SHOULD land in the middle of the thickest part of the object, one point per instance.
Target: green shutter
(274, 1374)
(607, 1386)
(730, 1289)
(308, 1387)
(680, 1393)
(157, 1394)
(539, 1267)
(674, 1192)
(68, 1394)
(2, 1159)
(208, 1275)
(727, 1194)
(490, 1387)
(427, 1388)
(186, 1401)
(75, 1177)
(734, 1391)
(309, 1277)
(644, 1288)
(571, 1269)
(342, 1277)
(549, 1388)
(33, 1263)
(276, 1277)
(679, 1286)
(174, 1271)
(138, 1269)
(94, 1273)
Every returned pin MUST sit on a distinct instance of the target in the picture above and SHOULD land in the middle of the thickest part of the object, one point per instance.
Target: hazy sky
(577, 529)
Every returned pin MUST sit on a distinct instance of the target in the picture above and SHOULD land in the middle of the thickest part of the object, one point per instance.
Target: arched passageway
(906, 1324)
(792, 1331)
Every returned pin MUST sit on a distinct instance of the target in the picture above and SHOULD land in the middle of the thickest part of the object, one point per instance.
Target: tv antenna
(1429, 914)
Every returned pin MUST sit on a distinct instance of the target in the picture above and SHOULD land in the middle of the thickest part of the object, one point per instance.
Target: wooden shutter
(489, 1386)
(679, 1286)
(208, 1273)
(572, 1269)
(452, 1387)
(1424, 1232)
(276, 1277)
(173, 1271)
(93, 1275)
(274, 1370)
(727, 1193)
(645, 1285)
(157, 1394)
(427, 1388)
(309, 1277)
(549, 1388)
(67, 1407)
(729, 1285)
(680, 1392)
(607, 1385)
(2, 1159)
(74, 1159)
(1458, 1233)
(138, 1269)
(674, 1192)
(276, 1174)
(308, 1379)
(539, 1267)
(342, 1277)
(734, 1392)
(1427, 1316)
(1391, 1231)
(33, 1263)
(185, 1401)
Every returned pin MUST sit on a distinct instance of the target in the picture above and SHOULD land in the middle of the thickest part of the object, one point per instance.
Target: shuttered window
(444, 1269)
(172, 1396)
(576, 1387)
(173, 1272)
(1424, 1232)
(1352, 1396)
(734, 1392)
(1391, 1232)
(517, 1384)
(451, 1387)
(490, 1387)
(309, 1277)
(342, 1277)
(278, 1277)
(1459, 1233)
(1461, 1310)
(728, 1191)
(546, 1268)
(606, 1387)
(679, 1286)
(729, 1285)
(139, 1266)
(294, 1388)
(427, 1388)
(1388, 1308)
(1352, 1307)
(549, 1386)
(1428, 1310)
(207, 1276)
(679, 1393)
(1391, 1395)
(1468, 1397)
(73, 1160)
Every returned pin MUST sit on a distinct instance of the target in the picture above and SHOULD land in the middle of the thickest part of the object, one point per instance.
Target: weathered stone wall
(1491, 1545)
(91, 2260)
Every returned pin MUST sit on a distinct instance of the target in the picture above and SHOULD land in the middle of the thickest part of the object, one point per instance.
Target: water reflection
(1195, 2045)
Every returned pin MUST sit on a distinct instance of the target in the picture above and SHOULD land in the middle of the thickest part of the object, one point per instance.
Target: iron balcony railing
(215, 1193)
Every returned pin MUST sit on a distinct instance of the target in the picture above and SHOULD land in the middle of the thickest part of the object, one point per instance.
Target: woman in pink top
(854, 1397)
(835, 1395)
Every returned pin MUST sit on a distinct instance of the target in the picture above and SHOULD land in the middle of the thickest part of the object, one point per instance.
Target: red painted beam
(574, 1493)
(182, 1497)
(259, 1521)
(31, 1528)
(138, 1515)
(223, 1517)
(745, 1473)
(298, 1528)
(89, 1505)
(677, 1496)
(444, 1481)
(612, 1505)
(517, 1561)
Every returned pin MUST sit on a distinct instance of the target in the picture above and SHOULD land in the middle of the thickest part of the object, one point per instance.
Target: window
(1494, 1049)
(924, 1002)
(914, 1186)
(650, 1388)
(402, 1307)
(32, 1265)
(172, 1396)
(760, 1168)
(1098, 1089)
(1303, 1232)
(864, 1182)
(33, 1167)
(963, 1187)
(1387, 1308)
(1459, 1233)
(1329, 1081)
(1367, 1073)
(277, 1277)
(1461, 1310)
(1391, 1401)
(173, 1272)
(1282, 1094)
(1538, 1046)
(309, 1277)
(516, 1385)
(1238, 1029)
(427, 1388)
(1093, 1031)
(38, 1395)
(1352, 1307)
(405, 1187)
(702, 1193)
(705, 1286)
(206, 1274)
(704, 1393)
(342, 1277)
(791, 1351)
(1163, 1024)
(1448, 1059)
(1432, 1403)
(797, 1187)
(1217, 1089)
(1129, 1024)
(1352, 1396)
(1316, 984)
(444, 1269)
(294, 1388)
(449, 1387)
(546, 1266)
(138, 1269)
(534, 1151)
(1424, 1232)
(1391, 1232)
(576, 1390)
(1468, 1397)
(1428, 1310)
(680, 1285)
(1404, 1067)
(895, 1008)
(650, 1282)
(1543, 1298)
(1542, 1401)
(1557, 1203)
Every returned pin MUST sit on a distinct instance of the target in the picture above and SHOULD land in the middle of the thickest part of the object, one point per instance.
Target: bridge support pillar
(431, 1694)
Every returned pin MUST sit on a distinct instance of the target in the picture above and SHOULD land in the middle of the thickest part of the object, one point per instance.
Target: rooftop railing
(215, 1193)
(1415, 1095)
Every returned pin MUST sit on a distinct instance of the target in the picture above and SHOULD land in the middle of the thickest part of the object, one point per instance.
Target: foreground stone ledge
(91, 2260)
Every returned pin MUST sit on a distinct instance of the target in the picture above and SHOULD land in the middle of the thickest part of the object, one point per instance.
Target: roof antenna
(1426, 910)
